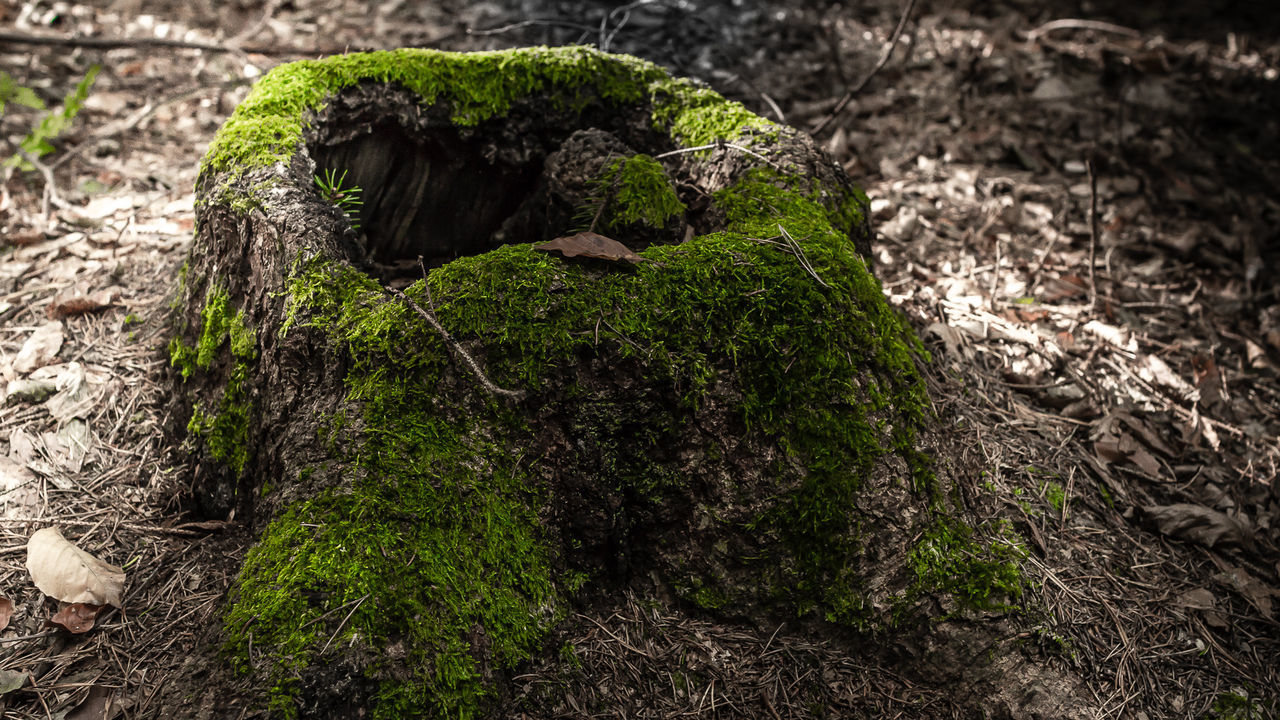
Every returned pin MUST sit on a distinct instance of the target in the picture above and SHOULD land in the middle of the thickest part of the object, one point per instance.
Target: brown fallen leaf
(6, 611)
(65, 572)
(1207, 379)
(1203, 600)
(591, 245)
(78, 301)
(1198, 524)
(98, 705)
(1116, 450)
(1257, 593)
(1068, 286)
(23, 239)
(76, 617)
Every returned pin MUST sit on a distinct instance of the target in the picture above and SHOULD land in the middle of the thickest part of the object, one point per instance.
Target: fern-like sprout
(332, 188)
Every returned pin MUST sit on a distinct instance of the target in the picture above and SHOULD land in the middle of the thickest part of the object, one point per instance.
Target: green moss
(697, 115)
(434, 546)
(445, 552)
(641, 192)
(980, 573)
(1055, 494)
(267, 127)
(1237, 705)
(180, 293)
(182, 356)
(225, 430)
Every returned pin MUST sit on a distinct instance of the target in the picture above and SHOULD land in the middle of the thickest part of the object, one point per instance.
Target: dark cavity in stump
(432, 189)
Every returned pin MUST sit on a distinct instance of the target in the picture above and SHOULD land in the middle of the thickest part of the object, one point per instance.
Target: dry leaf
(76, 617)
(1146, 432)
(6, 611)
(39, 349)
(1198, 524)
(1203, 600)
(65, 572)
(1124, 448)
(1207, 379)
(11, 680)
(1257, 593)
(951, 338)
(98, 705)
(28, 390)
(70, 445)
(590, 245)
(78, 301)
(19, 494)
(77, 394)
(1198, 599)
(1154, 368)
(1068, 286)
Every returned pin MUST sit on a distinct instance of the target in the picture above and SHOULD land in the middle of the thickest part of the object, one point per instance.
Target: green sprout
(37, 142)
(346, 198)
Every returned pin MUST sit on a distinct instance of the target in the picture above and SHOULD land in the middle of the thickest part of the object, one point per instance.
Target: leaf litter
(988, 247)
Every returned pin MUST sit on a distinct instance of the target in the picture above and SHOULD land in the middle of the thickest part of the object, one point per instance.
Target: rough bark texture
(733, 427)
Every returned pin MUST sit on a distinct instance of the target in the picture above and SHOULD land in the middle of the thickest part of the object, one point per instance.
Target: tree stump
(447, 438)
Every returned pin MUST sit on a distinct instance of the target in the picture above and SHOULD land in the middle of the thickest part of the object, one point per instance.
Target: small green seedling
(36, 143)
(347, 199)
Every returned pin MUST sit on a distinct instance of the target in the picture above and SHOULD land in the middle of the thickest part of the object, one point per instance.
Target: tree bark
(449, 471)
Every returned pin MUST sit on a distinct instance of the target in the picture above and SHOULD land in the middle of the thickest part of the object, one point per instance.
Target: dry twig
(884, 58)
(454, 346)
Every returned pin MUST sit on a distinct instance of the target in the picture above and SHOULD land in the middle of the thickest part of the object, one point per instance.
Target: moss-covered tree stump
(441, 471)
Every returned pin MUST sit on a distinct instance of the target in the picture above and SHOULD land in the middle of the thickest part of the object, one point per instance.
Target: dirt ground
(1075, 207)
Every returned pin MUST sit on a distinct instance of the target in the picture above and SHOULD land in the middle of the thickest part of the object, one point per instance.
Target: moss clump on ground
(433, 550)
(1237, 705)
(979, 570)
(225, 430)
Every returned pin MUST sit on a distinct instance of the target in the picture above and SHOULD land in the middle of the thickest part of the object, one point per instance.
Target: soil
(1074, 208)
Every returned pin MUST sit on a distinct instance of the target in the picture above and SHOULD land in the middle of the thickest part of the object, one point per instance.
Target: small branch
(799, 253)
(24, 638)
(51, 195)
(1093, 232)
(343, 623)
(528, 23)
(110, 43)
(455, 347)
(791, 246)
(1078, 24)
(884, 58)
(716, 146)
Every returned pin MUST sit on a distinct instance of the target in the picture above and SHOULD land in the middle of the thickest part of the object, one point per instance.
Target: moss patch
(434, 552)
(267, 127)
(809, 360)
(226, 428)
(640, 190)
(981, 571)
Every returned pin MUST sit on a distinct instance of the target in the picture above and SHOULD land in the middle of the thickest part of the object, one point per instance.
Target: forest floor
(1077, 212)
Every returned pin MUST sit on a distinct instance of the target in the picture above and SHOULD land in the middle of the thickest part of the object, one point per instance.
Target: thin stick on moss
(798, 251)
(454, 346)
(343, 624)
(716, 146)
